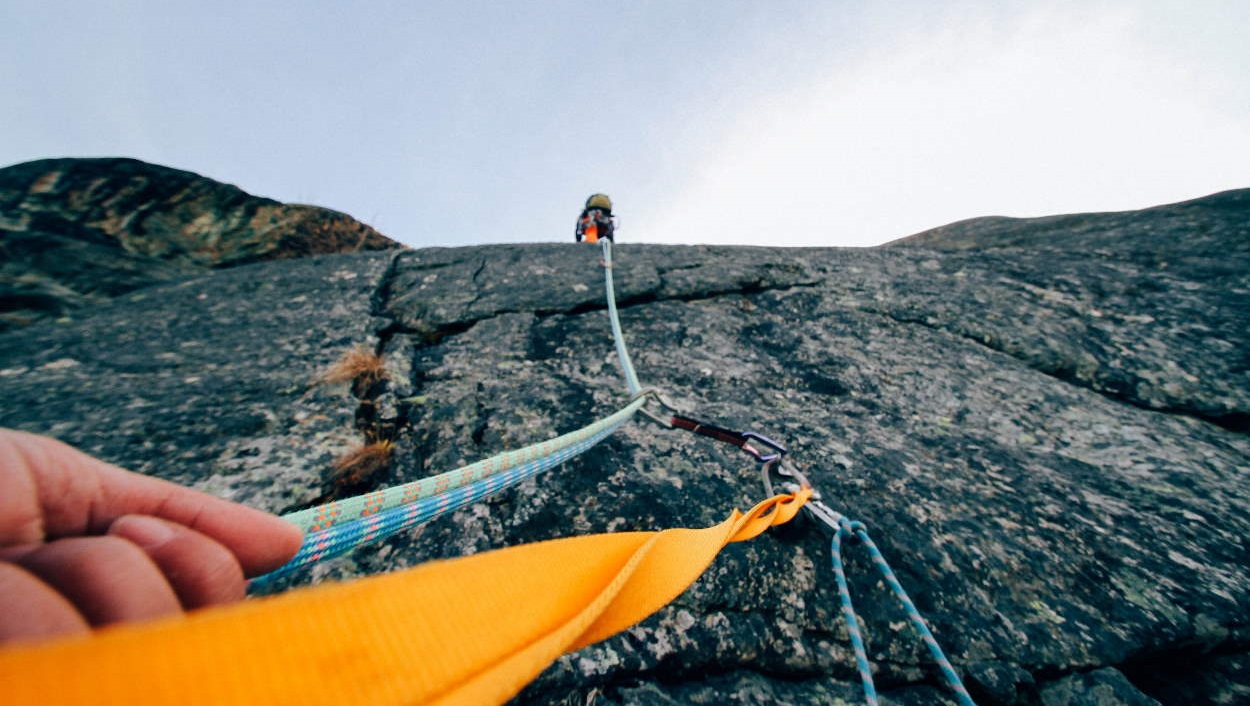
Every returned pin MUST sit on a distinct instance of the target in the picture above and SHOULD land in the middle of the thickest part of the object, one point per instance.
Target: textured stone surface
(1101, 687)
(1154, 299)
(75, 232)
(1195, 237)
(207, 382)
(1048, 447)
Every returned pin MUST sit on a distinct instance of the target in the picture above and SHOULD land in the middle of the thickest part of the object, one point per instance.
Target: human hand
(84, 543)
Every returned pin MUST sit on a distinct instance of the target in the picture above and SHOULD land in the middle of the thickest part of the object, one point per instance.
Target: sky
(827, 123)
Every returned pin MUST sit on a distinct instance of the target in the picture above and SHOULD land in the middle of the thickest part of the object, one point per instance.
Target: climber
(596, 219)
(85, 544)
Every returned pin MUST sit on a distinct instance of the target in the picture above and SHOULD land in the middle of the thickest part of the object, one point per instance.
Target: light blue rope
(857, 530)
(852, 623)
(335, 512)
(627, 366)
(344, 537)
(339, 527)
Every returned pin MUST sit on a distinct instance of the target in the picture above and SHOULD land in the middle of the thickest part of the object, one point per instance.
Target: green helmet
(599, 201)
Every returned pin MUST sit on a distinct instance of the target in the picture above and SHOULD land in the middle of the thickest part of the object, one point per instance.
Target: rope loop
(853, 529)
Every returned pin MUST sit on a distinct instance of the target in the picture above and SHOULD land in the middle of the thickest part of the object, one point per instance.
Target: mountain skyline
(791, 124)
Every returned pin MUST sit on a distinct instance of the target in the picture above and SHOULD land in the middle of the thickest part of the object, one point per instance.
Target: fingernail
(147, 532)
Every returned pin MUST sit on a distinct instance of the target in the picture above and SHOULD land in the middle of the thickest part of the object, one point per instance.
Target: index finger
(50, 490)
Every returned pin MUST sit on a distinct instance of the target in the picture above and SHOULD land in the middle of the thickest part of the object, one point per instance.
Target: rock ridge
(77, 232)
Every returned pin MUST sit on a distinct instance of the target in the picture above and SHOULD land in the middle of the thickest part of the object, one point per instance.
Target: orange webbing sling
(467, 631)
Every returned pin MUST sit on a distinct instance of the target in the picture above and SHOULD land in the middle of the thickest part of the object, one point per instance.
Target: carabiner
(815, 506)
(797, 480)
(740, 439)
(659, 399)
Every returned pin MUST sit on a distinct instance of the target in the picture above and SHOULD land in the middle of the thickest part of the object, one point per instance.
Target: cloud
(1029, 115)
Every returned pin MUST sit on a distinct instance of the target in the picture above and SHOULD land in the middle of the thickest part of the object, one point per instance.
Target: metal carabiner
(797, 481)
(779, 448)
(658, 398)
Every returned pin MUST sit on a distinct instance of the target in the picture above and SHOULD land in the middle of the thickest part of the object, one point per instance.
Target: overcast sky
(772, 123)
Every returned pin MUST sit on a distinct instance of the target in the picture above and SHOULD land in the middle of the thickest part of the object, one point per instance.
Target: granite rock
(211, 381)
(1100, 687)
(1049, 447)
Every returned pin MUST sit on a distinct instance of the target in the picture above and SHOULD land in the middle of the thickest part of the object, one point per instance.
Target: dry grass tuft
(361, 464)
(360, 365)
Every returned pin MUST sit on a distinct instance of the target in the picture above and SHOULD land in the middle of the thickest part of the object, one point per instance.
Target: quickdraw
(745, 440)
(758, 446)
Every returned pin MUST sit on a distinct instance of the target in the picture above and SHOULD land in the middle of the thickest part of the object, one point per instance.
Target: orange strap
(466, 631)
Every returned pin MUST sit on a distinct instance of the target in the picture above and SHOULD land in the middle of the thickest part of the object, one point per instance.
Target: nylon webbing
(463, 632)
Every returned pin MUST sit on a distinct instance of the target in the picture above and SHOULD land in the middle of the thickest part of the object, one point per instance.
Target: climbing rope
(363, 506)
(338, 527)
(627, 366)
(496, 474)
(850, 530)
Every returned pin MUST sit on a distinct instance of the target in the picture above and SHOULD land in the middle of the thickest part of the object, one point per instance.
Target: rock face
(81, 231)
(1194, 236)
(1047, 441)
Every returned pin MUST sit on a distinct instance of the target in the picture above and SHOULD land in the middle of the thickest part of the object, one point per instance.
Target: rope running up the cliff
(343, 525)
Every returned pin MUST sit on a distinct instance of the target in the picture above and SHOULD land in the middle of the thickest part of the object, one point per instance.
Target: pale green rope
(341, 525)
(627, 367)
